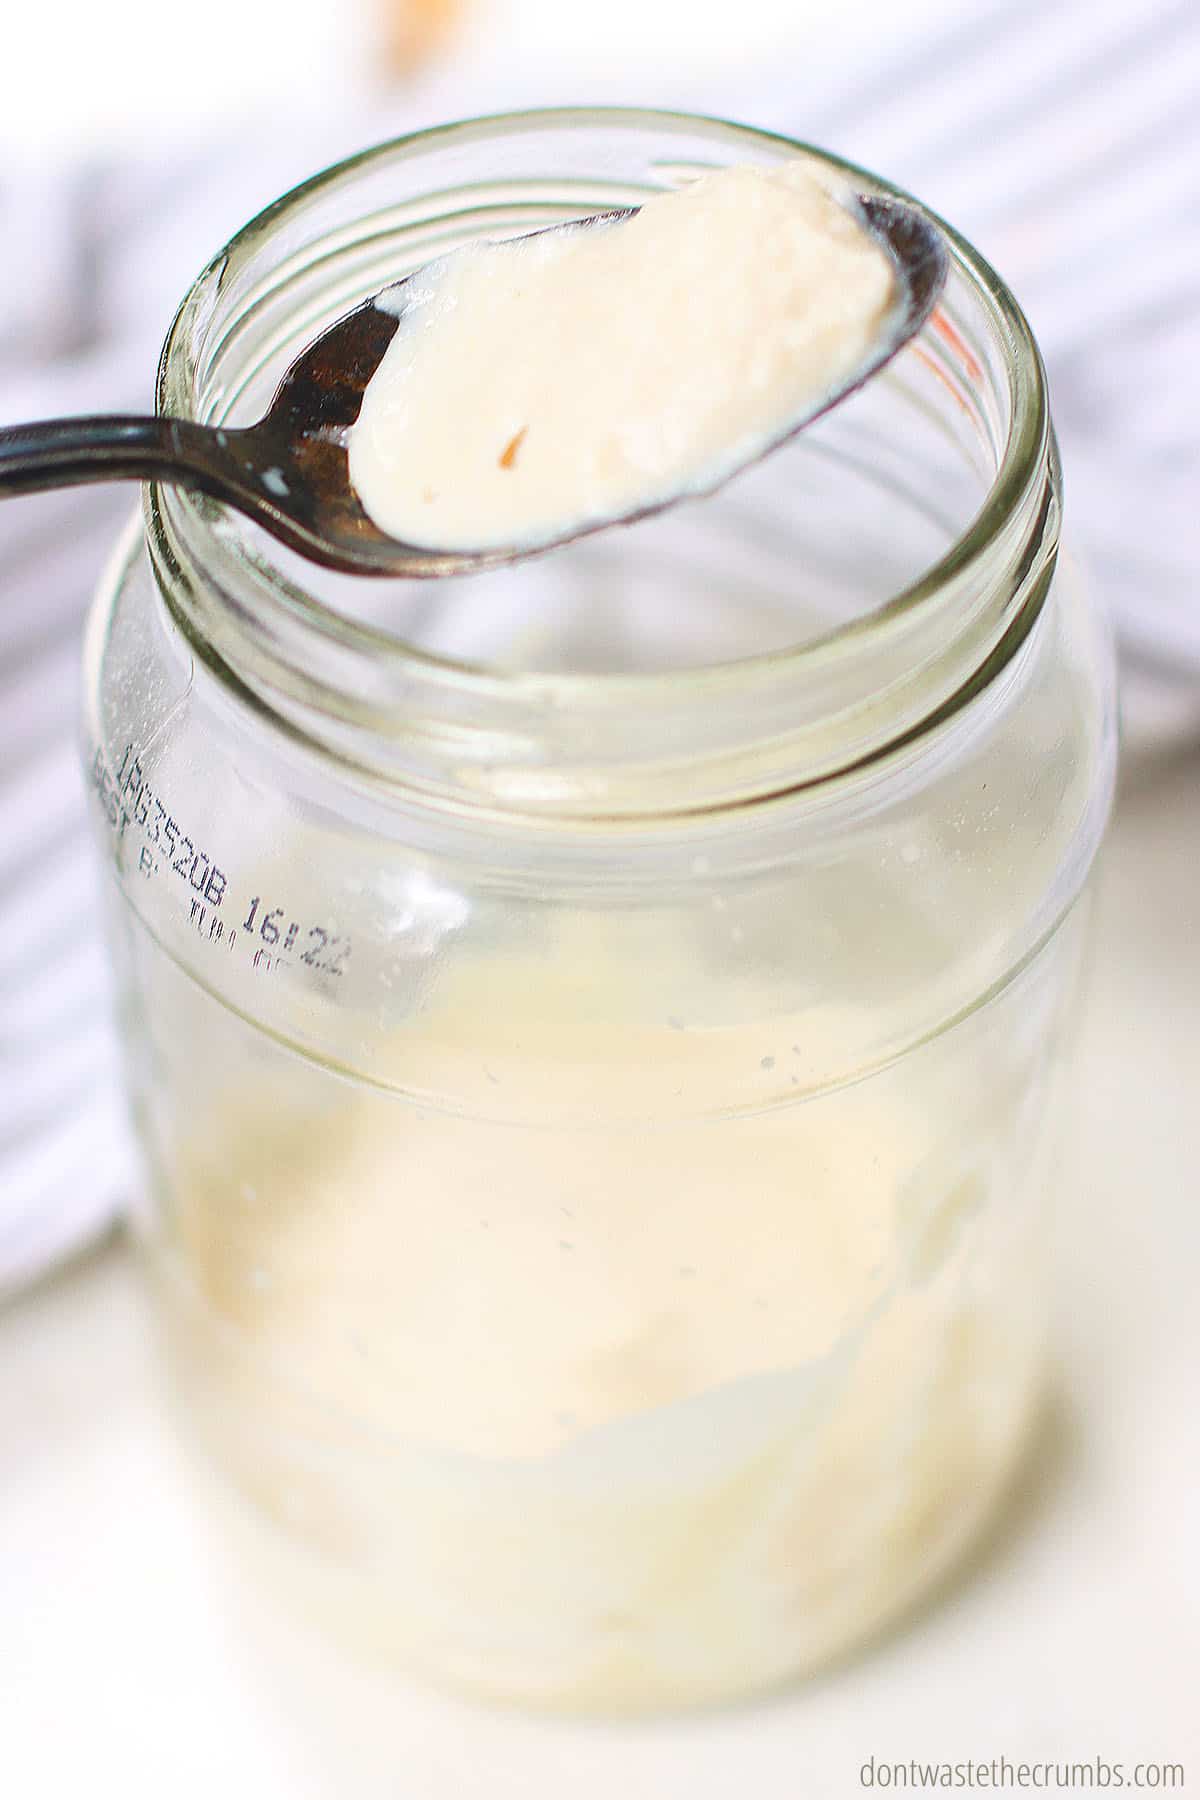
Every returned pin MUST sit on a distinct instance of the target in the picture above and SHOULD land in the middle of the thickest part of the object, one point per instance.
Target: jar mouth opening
(177, 393)
(223, 585)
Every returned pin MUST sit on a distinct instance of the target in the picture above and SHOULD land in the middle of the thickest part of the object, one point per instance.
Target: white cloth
(1063, 139)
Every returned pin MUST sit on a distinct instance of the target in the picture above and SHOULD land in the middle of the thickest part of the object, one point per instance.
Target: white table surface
(135, 1661)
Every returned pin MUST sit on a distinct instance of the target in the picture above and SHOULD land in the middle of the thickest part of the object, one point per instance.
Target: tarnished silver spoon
(289, 472)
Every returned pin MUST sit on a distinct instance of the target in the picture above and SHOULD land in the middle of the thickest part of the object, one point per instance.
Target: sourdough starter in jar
(599, 1034)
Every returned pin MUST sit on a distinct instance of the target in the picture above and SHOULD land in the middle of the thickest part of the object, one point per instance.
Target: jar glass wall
(597, 1032)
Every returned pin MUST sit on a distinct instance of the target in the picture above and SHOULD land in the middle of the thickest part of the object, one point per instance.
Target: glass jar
(597, 1031)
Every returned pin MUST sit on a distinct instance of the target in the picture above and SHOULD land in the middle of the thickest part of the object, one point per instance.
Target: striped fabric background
(1063, 138)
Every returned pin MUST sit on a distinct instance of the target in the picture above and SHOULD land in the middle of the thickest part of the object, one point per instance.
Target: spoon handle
(58, 453)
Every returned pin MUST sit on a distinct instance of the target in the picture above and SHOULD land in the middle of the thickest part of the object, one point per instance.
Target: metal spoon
(289, 472)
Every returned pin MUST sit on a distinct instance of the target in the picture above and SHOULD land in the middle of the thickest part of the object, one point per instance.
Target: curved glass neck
(834, 603)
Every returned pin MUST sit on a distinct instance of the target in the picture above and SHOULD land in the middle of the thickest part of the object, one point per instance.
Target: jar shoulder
(330, 909)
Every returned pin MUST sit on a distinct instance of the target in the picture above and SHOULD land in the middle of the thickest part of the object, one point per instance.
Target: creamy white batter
(612, 1414)
(554, 381)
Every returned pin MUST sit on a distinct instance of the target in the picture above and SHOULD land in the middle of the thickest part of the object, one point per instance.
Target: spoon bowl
(289, 472)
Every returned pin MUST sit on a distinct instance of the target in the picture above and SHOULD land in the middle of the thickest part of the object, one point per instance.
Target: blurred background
(170, 74)
(1063, 137)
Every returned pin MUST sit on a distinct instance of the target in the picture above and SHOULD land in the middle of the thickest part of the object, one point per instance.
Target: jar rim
(182, 543)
